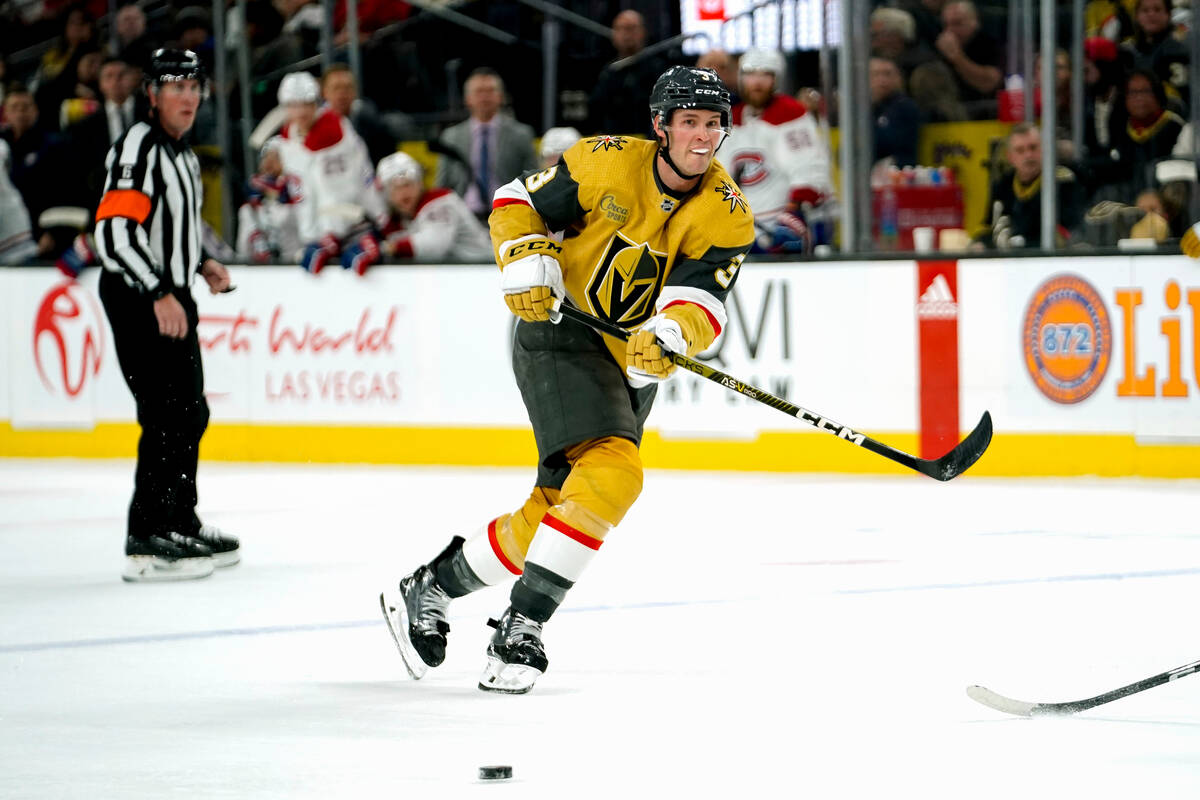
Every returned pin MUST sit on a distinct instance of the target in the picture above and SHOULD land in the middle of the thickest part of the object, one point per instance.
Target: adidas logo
(937, 302)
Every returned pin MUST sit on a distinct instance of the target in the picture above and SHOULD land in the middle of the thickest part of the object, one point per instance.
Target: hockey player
(656, 233)
(424, 225)
(337, 182)
(268, 222)
(777, 154)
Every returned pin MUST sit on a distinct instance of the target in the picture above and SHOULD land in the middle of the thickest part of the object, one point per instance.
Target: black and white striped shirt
(148, 225)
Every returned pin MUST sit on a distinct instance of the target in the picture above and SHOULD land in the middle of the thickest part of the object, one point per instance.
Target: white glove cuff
(668, 332)
(536, 270)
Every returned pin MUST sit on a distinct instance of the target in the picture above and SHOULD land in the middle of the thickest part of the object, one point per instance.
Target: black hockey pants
(167, 381)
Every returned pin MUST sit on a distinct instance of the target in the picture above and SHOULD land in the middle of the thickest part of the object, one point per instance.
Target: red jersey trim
(429, 197)
(325, 132)
(781, 109)
(572, 533)
(508, 201)
(495, 543)
(716, 326)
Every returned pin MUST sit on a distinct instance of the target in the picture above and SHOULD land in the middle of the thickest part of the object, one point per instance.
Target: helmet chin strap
(666, 156)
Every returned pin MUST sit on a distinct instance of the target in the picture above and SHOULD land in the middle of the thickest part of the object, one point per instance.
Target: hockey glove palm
(531, 277)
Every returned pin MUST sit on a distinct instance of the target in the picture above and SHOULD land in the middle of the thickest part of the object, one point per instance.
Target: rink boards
(1088, 366)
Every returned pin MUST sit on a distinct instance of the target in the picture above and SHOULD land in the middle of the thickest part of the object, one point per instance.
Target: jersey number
(725, 275)
(535, 182)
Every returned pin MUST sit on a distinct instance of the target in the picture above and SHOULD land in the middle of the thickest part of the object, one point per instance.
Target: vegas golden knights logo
(627, 281)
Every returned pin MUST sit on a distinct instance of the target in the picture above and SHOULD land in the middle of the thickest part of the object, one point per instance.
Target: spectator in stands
(193, 31)
(935, 92)
(1151, 134)
(1155, 48)
(897, 118)
(433, 225)
(84, 97)
(16, 231)
(57, 75)
(1104, 110)
(491, 148)
(972, 55)
(37, 160)
(618, 101)
(268, 222)
(91, 138)
(894, 37)
(777, 154)
(1062, 96)
(337, 180)
(1015, 218)
(927, 16)
(135, 43)
(555, 142)
(340, 91)
(725, 66)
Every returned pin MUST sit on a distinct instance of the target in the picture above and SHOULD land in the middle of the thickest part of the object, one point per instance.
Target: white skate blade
(227, 559)
(396, 615)
(508, 678)
(150, 569)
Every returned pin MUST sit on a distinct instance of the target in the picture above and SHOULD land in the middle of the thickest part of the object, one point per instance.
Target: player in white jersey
(777, 154)
(426, 225)
(16, 237)
(338, 189)
(268, 222)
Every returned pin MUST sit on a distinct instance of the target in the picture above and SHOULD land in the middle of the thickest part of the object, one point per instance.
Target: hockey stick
(953, 463)
(1024, 709)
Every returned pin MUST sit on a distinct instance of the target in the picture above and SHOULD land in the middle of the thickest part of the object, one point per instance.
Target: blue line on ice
(267, 630)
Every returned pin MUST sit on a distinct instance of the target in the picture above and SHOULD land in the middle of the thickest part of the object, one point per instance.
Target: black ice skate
(516, 657)
(225, 549)
(170, 557)
(416, 617)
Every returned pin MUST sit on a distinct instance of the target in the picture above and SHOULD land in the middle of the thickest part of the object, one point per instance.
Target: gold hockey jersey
(631, 246)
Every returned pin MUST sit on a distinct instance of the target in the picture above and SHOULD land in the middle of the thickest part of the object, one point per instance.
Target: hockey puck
(496, 773)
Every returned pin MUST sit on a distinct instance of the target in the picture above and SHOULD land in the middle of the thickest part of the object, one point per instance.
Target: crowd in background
(477, 103)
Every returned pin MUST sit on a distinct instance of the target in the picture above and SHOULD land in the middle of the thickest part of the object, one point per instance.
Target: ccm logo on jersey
(535, 246)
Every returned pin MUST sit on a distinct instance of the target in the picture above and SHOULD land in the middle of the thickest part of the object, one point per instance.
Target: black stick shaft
(944, 468)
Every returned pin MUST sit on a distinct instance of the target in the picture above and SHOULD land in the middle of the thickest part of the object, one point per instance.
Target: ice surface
(738, 636)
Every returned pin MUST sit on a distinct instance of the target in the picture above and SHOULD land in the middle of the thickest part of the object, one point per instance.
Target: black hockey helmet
(168, 65)
(689, 87)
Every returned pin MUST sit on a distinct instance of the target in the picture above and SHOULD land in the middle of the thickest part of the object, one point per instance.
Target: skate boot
(416, 617)
(225, 549)
(169, 557)
(516, 657)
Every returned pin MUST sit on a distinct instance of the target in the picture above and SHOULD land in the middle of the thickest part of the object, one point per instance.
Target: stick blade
(965, 453)
(999, 702)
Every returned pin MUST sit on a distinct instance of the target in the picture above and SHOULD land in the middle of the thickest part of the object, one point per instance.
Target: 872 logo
(1066, 339)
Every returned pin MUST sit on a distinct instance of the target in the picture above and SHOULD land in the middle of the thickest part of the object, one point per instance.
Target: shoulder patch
(731, 194)
(608, 143)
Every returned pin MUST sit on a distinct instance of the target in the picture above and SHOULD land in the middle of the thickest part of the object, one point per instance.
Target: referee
(148, 236)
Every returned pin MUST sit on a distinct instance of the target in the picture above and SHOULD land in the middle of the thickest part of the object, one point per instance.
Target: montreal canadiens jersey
(774, 153)
(631, 246)
(337, 180)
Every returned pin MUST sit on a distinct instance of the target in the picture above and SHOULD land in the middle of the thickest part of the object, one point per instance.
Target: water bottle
(889, 214)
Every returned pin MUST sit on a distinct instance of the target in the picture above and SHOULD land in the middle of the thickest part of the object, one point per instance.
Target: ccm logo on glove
(532, 247)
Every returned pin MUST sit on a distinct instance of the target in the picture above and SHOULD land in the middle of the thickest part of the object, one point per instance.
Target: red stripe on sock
(508, 565)
(573, 533)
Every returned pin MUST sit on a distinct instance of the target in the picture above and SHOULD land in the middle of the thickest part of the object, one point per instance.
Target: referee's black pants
(167, 381)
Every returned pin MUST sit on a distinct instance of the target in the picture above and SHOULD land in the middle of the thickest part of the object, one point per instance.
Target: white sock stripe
(482, 559)
(559, 553)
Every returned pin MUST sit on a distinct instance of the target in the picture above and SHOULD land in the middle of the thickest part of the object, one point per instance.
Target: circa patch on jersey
(626, 282)
(614, 210)
(731, 193)
(608, 143)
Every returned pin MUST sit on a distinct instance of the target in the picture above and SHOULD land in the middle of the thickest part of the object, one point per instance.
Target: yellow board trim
(1011, 454)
